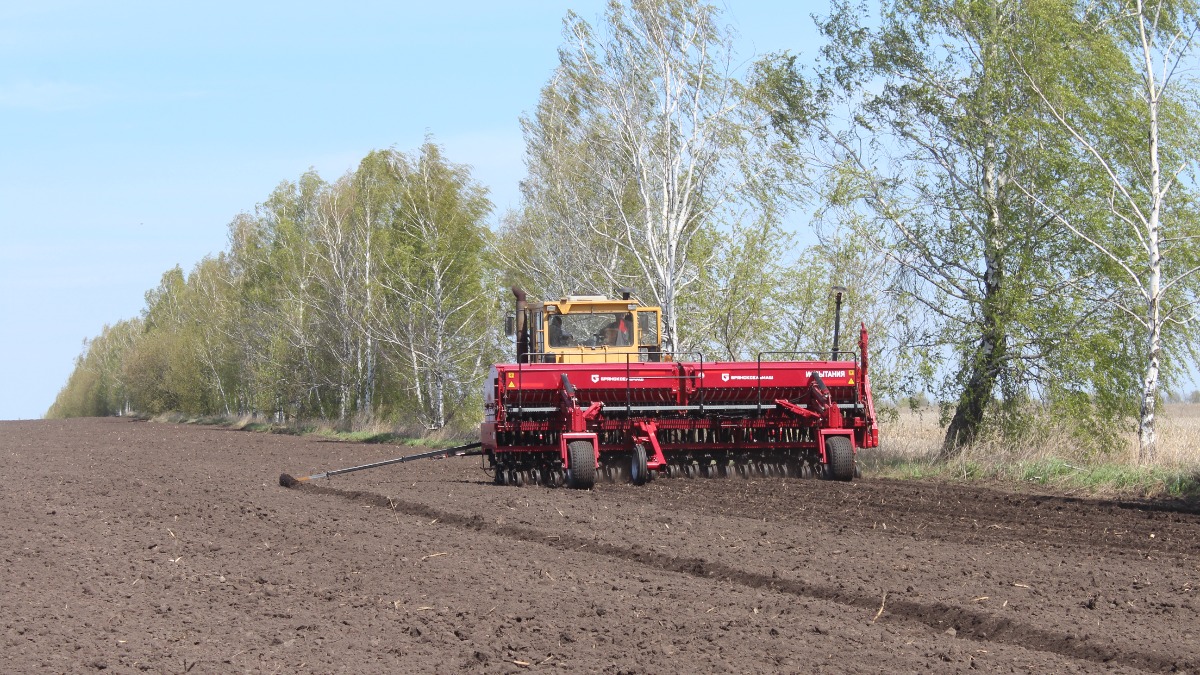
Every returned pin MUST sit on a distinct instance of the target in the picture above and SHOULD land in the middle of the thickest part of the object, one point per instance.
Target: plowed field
(134, 546)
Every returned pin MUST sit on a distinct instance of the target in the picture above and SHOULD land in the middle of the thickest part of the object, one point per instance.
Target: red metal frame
(535, 410)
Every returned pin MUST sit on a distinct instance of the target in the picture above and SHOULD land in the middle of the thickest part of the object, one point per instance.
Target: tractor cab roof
(588, 304)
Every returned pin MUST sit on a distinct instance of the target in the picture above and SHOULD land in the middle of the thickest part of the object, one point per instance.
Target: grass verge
(910, 443)
(1105, 479)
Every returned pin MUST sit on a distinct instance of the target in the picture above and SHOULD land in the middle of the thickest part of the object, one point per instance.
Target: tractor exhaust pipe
(522, 333)
(837, 292)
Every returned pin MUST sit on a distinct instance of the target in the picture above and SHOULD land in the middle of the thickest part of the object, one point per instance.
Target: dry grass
(910, 442)
(1179, 435)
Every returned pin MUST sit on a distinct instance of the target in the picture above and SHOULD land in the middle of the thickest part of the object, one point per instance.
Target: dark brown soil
(136, 546)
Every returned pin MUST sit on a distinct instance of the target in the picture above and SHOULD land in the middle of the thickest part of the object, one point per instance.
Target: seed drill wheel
(581, 469)
(638, 474)
(840, 454)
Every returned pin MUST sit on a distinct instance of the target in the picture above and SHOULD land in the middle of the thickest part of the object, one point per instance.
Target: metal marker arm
(458, 451)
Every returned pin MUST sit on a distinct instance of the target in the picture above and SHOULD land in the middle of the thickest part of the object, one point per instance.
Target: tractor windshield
(612, 329)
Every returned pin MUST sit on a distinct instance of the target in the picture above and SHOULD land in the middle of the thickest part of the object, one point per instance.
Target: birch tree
(341, 240)
(96, 386)
(278, 332)
(642, 143)
(1122, 93)
(563, 239)
(922, 121)
(434, 308)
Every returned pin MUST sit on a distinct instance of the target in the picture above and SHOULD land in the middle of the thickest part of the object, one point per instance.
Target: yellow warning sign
(512, 385)
(851, 380)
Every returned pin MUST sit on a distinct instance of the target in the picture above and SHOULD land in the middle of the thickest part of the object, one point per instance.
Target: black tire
(581, 467)
(840, 455)
(638, 475)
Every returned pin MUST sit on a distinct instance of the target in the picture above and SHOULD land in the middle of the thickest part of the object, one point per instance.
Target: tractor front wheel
(581, 467)
(840, 454)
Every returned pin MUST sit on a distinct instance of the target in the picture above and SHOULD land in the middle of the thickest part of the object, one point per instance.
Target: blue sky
(131, 133)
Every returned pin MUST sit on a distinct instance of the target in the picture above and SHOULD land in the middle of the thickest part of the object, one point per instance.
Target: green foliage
(937, 156)
(367, 295)
(97, 385)
(651, 166)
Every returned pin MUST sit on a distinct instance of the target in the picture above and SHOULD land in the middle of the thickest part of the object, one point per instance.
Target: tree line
(361, 296)
(1005, 188)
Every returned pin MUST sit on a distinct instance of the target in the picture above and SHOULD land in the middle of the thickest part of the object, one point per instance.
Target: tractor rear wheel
(638, 473)
(581, 467)
(840, 455)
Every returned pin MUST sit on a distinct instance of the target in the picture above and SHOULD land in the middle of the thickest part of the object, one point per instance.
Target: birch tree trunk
(1146, 43)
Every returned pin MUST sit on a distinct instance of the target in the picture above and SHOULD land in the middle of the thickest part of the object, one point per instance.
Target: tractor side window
(559, 336)
(623, 330)
(647, 329)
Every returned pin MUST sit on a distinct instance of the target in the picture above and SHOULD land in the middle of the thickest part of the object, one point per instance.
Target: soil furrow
(968, 624)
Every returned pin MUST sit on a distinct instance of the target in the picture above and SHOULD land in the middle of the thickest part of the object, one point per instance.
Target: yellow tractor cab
(586, 329)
